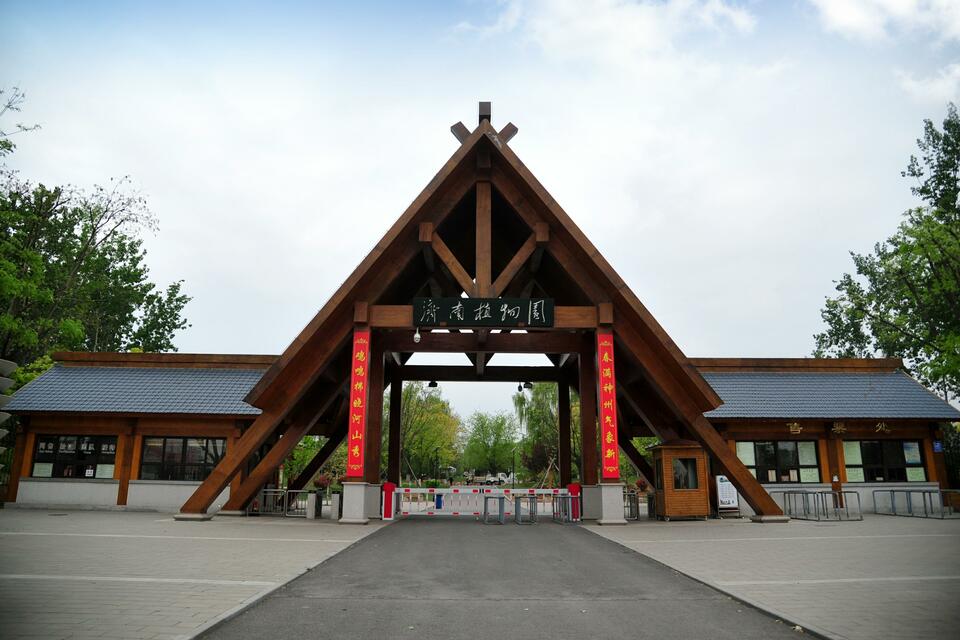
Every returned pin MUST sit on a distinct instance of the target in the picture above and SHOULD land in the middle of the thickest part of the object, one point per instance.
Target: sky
(725, 156)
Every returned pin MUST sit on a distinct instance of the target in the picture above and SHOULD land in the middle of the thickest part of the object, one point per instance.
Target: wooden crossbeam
(446, 256)
(437, 342)
(506, 134)
(513, 267)
(448, 373)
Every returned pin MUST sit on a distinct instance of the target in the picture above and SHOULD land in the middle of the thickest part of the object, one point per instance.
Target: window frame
(885, 464)
(781, 470)
(175, 467)
(83, 463)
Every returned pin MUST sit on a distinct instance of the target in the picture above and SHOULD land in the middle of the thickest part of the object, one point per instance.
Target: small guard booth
(681, 486)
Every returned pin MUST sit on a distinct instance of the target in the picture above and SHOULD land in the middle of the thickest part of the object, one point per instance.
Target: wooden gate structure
(483, 261)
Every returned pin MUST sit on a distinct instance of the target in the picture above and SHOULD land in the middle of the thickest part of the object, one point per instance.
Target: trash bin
(651, 505)
(335, 506)
(438, 501)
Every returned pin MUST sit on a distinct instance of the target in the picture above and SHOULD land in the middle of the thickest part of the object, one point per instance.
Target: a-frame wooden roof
(390, 272)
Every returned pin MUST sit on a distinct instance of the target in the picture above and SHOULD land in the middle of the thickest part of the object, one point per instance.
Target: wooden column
(563, 419)
(374, 414)
(588, 410)
(396, 416)
(484, 267)
(20, 453)
(125, 455)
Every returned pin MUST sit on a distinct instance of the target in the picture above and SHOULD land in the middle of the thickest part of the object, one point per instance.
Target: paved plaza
(883, 578)
(458, 579)
(86, 574)
(82, 574)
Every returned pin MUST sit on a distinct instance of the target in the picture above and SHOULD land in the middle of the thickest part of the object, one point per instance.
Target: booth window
(685, 473)
(659, 475)
(74, 456)
(180, 458)
(781, 460)
(884, 461)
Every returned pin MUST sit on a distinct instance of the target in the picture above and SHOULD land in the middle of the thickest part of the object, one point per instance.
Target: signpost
(728, 501)
(483, 312)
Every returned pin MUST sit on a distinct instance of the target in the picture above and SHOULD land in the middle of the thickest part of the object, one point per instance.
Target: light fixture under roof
(432, 384)
(527, 385)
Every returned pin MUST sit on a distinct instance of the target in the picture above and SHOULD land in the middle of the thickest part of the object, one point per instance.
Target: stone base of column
(231, 513)
(769, 519)
(372, 501)
(592, 501)
(192, 516)
(354, 503)
(611, 504)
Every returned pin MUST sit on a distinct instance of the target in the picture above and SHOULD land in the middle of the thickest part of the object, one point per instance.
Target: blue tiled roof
(890, 394)
(138, 390)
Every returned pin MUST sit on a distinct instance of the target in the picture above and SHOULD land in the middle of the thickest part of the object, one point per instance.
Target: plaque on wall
(483, 312)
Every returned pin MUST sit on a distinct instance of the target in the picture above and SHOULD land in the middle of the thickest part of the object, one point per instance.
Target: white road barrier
(466, 501)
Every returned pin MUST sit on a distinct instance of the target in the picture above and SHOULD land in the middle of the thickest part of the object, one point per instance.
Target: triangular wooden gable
(660, 390)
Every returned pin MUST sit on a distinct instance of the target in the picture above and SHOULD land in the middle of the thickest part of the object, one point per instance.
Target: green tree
(429, 431)
(904, 300)
(11, 101)
(491, 442)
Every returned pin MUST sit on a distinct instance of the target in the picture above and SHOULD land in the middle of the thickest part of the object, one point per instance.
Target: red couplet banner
(609, 448)
(357, 427)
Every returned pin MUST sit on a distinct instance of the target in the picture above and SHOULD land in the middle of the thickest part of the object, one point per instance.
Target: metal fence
(280, 502)
(469, 501)
(820, 505)
(917, 503)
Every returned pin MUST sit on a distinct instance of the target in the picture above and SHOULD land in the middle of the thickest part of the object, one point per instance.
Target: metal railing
(532, 503)
(803, 504)
(933, 503)
(631, 505)
(280, 502)
(296, 504)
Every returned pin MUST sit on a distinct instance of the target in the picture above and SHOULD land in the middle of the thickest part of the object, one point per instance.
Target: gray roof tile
(891, 394)
(138, 390)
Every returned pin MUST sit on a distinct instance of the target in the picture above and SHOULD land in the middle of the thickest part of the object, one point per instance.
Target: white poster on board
(727, 497)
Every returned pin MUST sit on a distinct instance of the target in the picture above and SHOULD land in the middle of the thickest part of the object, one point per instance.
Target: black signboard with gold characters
(483, 312)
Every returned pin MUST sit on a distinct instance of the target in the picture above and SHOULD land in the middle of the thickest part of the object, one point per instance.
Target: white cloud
(944, 86)
(614, 30)
(872, 20)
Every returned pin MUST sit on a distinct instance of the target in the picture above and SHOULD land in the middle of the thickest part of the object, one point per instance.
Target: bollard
(312, 505)
(574, 489)
(389, 495)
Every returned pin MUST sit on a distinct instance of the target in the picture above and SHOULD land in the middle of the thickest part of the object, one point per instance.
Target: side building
(141, 431)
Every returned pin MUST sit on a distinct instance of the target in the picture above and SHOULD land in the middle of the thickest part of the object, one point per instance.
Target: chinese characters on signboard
(483, 312)
(609, 448)
(356, 428)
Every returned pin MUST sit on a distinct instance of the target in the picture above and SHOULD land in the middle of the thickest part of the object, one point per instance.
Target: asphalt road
(455, 579)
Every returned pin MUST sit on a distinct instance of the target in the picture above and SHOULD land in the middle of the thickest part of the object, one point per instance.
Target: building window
(781, 460)
(74, 456)
(659, 474)
(685, 473)
(884, 461)
(180, 458)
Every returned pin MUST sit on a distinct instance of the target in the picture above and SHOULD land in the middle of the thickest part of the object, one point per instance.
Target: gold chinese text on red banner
(609, 448)
(358, 402)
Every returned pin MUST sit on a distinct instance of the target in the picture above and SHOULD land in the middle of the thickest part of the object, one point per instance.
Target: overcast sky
(724, 155)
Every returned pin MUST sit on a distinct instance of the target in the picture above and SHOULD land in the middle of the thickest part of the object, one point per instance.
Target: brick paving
(142, 575)
(883, 578)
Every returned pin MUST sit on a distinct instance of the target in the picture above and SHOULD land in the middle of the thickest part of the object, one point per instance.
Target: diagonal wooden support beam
(507, 133)
(460, 132)
(279, 452)
(636, 458)
(251, 440)
(513, 267)
(673, 394)
(446, 256)
(321, 457)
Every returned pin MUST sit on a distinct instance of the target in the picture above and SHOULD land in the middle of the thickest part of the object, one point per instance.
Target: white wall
(167, 495)
(66, 492)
